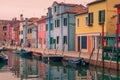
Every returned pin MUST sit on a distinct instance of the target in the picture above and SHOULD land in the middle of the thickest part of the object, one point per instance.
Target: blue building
(25, 32)
(64, 25)
(49, 29)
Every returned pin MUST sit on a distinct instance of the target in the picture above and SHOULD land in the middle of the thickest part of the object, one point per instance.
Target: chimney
(21, 17)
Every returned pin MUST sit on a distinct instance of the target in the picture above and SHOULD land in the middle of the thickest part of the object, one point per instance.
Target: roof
(32, 20)
(64, 4)
(96, 1)
(77, 9)
(42, 18)
(117, 5)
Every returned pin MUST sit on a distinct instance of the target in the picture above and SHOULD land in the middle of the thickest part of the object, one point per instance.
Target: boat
(25, 53)
(3, 58)
(17, 51)
(76, 61)
(2, 49)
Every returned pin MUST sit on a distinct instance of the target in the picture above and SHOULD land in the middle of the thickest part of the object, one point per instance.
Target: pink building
(42, 32)
(9, 33)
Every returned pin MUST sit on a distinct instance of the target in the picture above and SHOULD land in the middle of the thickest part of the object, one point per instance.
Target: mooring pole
(103, 45)
(117, 39)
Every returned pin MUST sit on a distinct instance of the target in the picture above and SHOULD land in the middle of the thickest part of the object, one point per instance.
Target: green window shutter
(51, 26)
(46, 27)
(101, 16)
(55, 23)
(51, 40)
(90, 19)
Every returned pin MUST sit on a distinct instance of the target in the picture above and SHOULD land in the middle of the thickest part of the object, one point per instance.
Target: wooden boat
(76, 61)
(25, 53)
(3, 58)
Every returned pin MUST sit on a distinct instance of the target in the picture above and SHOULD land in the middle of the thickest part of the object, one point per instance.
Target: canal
(19, 68)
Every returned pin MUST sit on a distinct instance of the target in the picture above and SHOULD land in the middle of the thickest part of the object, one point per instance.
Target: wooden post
(103, 35)
(102, 45)
(117, 37)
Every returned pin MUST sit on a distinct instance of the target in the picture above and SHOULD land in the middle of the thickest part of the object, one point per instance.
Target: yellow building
(89, 24)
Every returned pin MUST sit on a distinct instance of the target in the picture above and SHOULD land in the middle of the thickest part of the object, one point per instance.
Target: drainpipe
(68, 33)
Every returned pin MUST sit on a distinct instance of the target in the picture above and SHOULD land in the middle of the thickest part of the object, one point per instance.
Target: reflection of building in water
(41, 70)
(14, 64)
(30, 68)
(60, 73)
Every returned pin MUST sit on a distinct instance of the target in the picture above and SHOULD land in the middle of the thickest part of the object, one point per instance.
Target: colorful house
(42, 32)
(9, 33)
(49, 29)
(21, 29)
(33, 36)
(4, 27)
(64, 25)
(15, 31)
(100, 15)
(25, 32)
(118, 16)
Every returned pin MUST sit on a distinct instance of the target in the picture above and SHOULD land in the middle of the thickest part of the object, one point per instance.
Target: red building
(15, 30)
(42, 32)
(3, 31)
(118, 11)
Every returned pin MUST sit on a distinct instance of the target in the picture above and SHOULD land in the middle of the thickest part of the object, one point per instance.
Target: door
(78, 43)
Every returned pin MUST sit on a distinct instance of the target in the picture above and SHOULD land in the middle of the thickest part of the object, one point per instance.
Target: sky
(29, 8)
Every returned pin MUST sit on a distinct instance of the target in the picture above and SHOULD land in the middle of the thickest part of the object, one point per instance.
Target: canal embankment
(72, 54)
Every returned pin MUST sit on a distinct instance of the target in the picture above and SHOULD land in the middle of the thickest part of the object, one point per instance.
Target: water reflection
(35, 69)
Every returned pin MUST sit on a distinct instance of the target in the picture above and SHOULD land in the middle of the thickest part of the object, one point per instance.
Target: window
(51, 26)
(77, 22)
(90, 19)
(21, 32)
(58, 23)
(86, 21)
(65, 21)
(4, 33)
(54, 8)
(51, 40)
(55, 23)
(44, 40)
(84, 42)
(46, 27)
(30, 30)
(101, 16)
(119, 18)
(64, 39)
(4, 28)
(57, 39)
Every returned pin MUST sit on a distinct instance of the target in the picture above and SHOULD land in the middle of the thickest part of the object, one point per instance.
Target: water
(19, 68)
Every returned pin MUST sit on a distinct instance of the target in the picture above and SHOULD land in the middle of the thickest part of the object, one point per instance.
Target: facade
(15, 31)
(49, 29)
(4, 31)
(100, 14)
(64, 25)
(42, 32)
(25, 32)
(9, 33)
(118, 16)
(21, 30)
